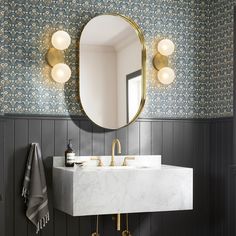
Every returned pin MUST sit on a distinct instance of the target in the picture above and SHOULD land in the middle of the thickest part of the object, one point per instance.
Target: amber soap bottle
(69, 155)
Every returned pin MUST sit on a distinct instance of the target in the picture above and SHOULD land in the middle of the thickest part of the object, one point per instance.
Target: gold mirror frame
(143, 69)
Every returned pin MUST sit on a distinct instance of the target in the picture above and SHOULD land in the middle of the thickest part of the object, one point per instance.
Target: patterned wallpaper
(1, 56)
(25, 85)
(220, 86)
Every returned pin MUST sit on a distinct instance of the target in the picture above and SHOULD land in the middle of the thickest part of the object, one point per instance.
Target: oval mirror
(112, 71)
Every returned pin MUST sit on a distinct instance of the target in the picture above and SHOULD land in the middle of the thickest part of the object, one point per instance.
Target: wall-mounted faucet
(114, 142)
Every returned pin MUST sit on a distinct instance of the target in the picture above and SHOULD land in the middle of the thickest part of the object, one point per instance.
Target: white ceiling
(106, 30)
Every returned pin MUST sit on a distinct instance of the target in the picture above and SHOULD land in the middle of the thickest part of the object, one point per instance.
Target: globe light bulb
(166, 75)
(61, 40)
(61, 73)
(166, 47)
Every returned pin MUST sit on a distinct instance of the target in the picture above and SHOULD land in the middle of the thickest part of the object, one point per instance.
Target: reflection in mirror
(133, 94)
(111, 53)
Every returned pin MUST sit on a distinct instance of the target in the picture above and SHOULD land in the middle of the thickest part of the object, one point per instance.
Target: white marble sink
(95, 190)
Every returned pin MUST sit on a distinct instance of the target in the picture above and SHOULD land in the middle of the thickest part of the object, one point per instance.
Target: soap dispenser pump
(69, 155)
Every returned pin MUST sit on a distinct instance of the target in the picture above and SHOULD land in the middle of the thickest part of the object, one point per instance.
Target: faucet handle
(127, 158)
(97, 159)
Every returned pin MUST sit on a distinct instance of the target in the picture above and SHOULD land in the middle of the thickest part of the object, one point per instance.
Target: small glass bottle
(69, 155)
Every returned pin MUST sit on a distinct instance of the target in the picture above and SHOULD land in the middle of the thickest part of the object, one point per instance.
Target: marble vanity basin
(121, 189)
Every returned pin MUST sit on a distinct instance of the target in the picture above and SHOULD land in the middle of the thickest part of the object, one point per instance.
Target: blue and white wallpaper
(201, 30)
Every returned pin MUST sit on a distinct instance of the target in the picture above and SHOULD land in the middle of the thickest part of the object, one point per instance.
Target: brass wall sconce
(60, 71)
(165, 74)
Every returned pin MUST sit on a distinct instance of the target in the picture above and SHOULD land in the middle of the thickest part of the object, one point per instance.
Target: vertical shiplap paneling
(167, 158)
(221, 159)
(47, 153)
(133, 139)
(145, 138)
(98, 149)
(157, 137)
(232, 201)
(35, 131)
(86, 144)
(187, 161)
(145, 143)
(2, 192)
(218, 181)
(34, 137)
(167, 143)
(224, 159)
(109, 222)
(60, 131)
(178, 143)
(133, 149)
(73, 134)
(21, 151)
(178, 217)
(206, 179)
(220, 175)
(184, 143)
(60, 219)
(122, 135)
(109, 137)
(225, 162)
(188, 144)
(156, 219)
(213, 176)
(229, 152)
(230, 205)
(198, 179)
(9, 143)
(86, 136)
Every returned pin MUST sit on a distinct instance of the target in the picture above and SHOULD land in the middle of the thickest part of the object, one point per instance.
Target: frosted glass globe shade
(61, 40)
(61, 73)
(166, 75)
(166, 47)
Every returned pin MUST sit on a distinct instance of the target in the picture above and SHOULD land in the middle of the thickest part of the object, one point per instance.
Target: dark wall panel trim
(42, 117)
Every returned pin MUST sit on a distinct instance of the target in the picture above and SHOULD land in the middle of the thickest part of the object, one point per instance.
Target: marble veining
(92, 191)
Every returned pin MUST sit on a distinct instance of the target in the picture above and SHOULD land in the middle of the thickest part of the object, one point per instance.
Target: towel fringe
(25, 193)
(42, 222)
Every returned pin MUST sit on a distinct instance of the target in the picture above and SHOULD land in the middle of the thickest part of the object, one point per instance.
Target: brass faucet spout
(114, 142)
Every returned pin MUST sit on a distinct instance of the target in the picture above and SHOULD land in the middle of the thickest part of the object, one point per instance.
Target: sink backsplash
(139, 160)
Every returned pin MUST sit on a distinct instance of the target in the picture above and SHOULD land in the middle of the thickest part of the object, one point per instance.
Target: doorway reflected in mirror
(133, 93)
